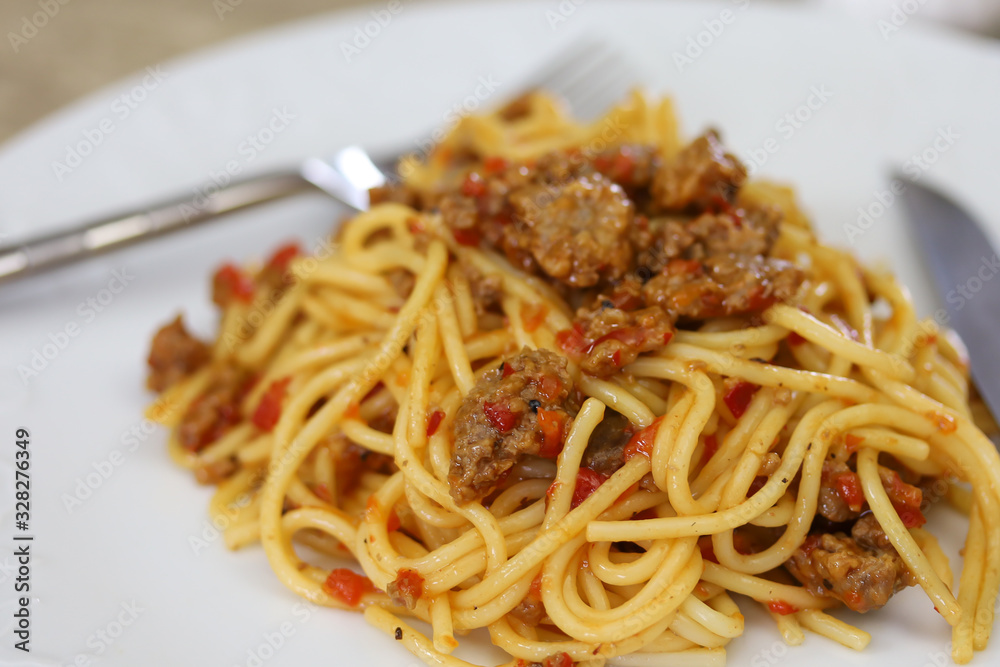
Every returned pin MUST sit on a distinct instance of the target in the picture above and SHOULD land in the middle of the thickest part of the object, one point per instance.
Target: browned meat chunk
(838, 566)
(868, 533)
(701, 176)
(216, 410)
(578, 234)
(720, 286)
(174, 355)
(631, 166)
(605, 340)
(831, 504)
(498, 422)
(605, 452)
(530, 611)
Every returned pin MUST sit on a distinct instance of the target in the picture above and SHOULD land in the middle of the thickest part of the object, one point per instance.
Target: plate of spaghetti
(586, 394)
(652, 388)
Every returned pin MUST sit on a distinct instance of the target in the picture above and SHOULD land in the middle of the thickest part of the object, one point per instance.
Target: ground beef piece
(868, 533)
(659, 240)
(530, 611)
(835, 565)
(726, 234)
(702, 175)
(173, 355)
(216, 410)
(605, 451)
(830, 504)
(458, 212)
(486, 290)
(722, 285)
(579, 236)
(605, 340)
(351, 461)
(631, 166)
(497, 423)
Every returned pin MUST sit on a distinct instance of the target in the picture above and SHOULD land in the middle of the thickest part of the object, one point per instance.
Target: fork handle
(99, 236)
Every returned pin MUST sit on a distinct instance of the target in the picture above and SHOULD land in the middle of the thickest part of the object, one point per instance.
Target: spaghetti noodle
(581, 385)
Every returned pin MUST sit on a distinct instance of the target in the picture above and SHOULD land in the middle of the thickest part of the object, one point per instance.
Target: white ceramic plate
(116, 578)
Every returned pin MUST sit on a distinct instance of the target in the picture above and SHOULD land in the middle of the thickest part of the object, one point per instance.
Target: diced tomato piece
(558, 660)
(587, 481)
(500, 415)
(738, 397)
(231, 282)
(269, 409)
(911, 517)
(906, 499)
(347, 586)
(782, 607)
(810, 543)
(711, 447)
(629, 336)
(852, 442)
(473, 185)
(494, 164)
(551, 423)
(795, 339)
(466, 236)
(536, 586)
(849, 487)
(393, 523)
(409, 583)
(549, 387)
(433, 422)
(642, 441)
(625, 300)
(533, 315)
(283, 256)
(572, 341)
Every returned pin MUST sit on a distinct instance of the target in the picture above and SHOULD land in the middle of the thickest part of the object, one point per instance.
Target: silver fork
(590, 76)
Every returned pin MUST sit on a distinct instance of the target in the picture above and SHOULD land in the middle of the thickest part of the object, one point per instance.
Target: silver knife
(966, 272)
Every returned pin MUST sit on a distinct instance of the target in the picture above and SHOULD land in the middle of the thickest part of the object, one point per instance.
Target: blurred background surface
(56, 51)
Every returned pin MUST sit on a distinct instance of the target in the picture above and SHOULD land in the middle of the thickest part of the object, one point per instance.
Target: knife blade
(966, 273)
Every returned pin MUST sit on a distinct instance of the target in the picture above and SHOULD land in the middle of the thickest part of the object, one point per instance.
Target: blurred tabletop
(82, 45)
(56, 51)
